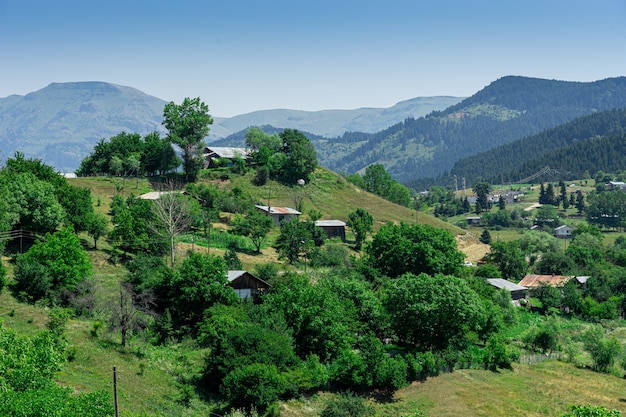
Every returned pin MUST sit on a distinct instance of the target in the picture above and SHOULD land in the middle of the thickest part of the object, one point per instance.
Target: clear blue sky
(245, 55)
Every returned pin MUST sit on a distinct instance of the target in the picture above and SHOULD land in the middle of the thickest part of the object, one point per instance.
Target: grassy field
(149, 377)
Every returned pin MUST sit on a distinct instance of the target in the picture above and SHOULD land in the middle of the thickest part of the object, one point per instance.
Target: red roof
(534, 281)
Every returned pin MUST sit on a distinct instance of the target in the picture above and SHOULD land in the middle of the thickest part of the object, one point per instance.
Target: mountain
(562, 148)
(508, 109)
(61, 123)
(332, 123)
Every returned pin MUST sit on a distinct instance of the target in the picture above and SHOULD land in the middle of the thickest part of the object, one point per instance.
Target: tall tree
(300, 153)
(361, 223)
(482, 190)
(188, 125)
(256, 225)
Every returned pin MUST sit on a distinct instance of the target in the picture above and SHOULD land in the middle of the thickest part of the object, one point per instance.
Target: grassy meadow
(151, 378)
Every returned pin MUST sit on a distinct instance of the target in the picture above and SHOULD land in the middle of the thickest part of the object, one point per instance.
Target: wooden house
(212, 154)
(246, 285)
(333, 228)
(563, 232)
(279, 214)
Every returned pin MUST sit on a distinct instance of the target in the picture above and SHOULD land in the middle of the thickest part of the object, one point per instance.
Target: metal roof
(279, 210)
(329, 223)
(226, 152)
(538, 280)
(504, 284)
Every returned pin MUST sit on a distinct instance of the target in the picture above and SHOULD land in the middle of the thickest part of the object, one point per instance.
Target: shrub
(257, 385)
(347, 405)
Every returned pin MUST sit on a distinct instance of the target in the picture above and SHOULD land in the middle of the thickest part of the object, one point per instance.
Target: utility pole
(117, 412)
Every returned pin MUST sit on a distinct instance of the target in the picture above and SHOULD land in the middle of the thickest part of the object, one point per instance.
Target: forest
(361, 319)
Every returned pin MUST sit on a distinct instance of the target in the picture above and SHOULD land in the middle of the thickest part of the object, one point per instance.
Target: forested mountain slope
(507, 110)
(519, 159)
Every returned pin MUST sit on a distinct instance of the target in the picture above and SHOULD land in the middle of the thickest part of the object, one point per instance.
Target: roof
(226, 152)
(155, 195)
(330, 223)
(534, 281)
(504, 284)
(582, 279)
(564, 227)
(278, 210)
(235, 274)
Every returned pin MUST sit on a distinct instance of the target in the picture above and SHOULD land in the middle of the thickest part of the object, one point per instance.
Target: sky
(240, 56)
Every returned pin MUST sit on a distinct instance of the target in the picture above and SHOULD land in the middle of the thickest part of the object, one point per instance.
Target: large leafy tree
(397, 249)
(187, 125)
(432, 312)
(256, 225)
(52, 267)
(509, 258)
(300, 153)
(199, 283)
(293, 240)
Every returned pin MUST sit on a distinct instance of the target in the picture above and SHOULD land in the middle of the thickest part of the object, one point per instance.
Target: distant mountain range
(61, 123)
(419, 140)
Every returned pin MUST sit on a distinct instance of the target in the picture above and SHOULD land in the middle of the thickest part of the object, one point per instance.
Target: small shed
(333, 228)
(517, 291)
(213, 153)
(563, 232)
(473, 220)
(279, 214)
(616, 186)
(247, 285)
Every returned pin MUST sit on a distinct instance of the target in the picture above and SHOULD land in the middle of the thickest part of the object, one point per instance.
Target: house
(563, 232)
(333, 228)
(517, 291)
(535, 281)
(473, 220)
(246, 285)
(279, 214)
(616, 186)
(214, 153)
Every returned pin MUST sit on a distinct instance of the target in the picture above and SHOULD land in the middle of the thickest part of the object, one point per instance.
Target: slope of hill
(522, 158)
(506, 110)
(332, 123)
(61, 123)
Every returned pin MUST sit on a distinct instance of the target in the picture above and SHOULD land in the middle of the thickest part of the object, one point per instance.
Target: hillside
(522, 158)
(507, 110)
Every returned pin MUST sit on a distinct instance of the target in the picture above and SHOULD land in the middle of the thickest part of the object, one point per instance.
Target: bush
(603, 350)
(257, 385)
(330, 256)
(347, 405)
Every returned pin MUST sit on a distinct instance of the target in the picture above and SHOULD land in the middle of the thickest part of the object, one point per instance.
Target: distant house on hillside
(246, 285)
(517, 291)
(212, 154)
(473, 220)
(333, 228)
(279, 214)
(616, 186)
(563, 232)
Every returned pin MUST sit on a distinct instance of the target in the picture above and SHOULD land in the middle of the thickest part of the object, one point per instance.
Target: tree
(580, 202)
(232, 260)
(256, 225)
(300, 153)
(96, 226)
(258, 385)
(603, 350)
(377, 180)
(361, 223)
(509, 258)
(432, 312)
(293, 239)
(198, 284)
(482, 190)
(187, 125)
(485, 237)
(130, 310)
(397, 249)
(52, 266)
(172, 216)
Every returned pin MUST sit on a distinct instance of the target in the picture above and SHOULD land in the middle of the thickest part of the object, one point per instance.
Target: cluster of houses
(531, 282)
